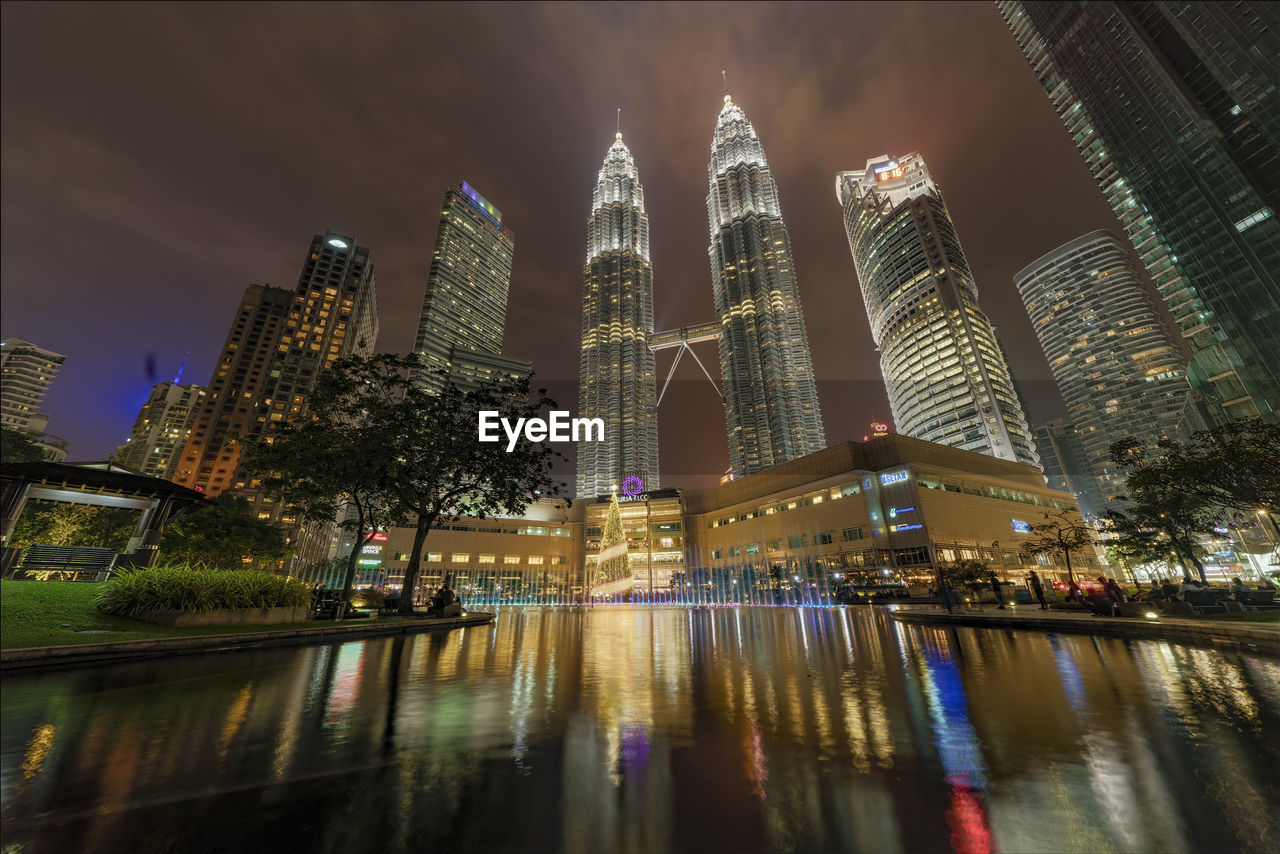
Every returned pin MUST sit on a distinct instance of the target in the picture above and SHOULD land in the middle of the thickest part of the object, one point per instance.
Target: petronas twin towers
(771, 400)
(615, 373)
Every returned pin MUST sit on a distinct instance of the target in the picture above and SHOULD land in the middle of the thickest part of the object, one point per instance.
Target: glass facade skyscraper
(1066, 466)
(771, 399)
(465, 304)
(945, 373)
(615, 369)
(1175, 109)
(1115, 362)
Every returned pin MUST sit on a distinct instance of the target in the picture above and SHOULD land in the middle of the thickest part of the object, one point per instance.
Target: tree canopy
(16, 447)
(965, 571)
(1061, 533)
(445, 471)
(225, 534)
(1234, 465)
(336, 462)
(374, 443)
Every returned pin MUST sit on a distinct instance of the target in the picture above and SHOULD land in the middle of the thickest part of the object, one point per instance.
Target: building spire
(725, 77)
(619, 124)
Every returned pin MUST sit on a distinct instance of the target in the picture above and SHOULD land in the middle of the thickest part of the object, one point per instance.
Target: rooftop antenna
(619, 120)
(725, 77)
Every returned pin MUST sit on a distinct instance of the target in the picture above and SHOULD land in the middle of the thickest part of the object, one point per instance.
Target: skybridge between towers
(680, 340)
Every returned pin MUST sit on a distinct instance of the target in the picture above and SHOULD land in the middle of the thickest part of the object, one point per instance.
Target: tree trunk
(356, 548)
(1197, 564)
(1182, 558)
(425, 521)
(1071, 579)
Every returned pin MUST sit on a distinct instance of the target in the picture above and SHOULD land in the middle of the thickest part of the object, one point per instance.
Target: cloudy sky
(159, 158)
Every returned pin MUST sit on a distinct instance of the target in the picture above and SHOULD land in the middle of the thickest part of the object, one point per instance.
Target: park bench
(66, 563)
(1257, 598)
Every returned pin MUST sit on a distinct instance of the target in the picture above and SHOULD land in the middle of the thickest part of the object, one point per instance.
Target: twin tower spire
(771, 400)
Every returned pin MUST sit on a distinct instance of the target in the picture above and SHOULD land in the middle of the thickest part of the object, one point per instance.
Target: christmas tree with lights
(613, 571)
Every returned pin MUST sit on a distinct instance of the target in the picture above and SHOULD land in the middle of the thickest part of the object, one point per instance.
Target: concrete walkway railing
(1255, 637)
(112, 652)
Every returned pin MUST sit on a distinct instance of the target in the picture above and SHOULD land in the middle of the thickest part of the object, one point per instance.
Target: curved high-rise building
(616, 381)
(1115, 362)
(945, 373)
(771, 400)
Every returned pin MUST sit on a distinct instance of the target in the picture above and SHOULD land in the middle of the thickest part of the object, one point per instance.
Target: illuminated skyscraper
(278, 344)
(771, 400)
(465, 304)
(162, 429)
(1175, 108)
(615, 374)
(945, 373)
(25, 374)
(1115, 362)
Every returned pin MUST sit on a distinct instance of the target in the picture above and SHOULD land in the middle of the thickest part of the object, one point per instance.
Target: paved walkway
(12, 660)
(1257, 637)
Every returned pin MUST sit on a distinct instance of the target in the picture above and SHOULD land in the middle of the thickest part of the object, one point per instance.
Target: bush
(147, 592)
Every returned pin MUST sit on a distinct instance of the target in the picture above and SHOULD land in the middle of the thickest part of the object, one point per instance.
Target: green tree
(1234, 465)
(444, 471)
(965, 571)
(1162, 511)
(338, 460)
(1150, 524)
(1061, 533)
(225, 534)
(57, 524)
(16, 447)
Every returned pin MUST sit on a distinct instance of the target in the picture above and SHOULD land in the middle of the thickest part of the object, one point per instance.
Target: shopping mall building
(888, 510)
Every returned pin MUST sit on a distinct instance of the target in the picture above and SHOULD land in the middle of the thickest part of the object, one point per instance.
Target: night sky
(159, 158)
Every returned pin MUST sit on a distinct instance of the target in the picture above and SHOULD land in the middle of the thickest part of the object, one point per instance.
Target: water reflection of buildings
(617, 729)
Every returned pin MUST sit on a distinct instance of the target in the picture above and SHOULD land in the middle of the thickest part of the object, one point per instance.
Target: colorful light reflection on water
(649, 729)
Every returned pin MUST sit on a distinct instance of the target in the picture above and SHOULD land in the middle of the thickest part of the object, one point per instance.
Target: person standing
(995, 588)
(1117, 596)
(1038, 589)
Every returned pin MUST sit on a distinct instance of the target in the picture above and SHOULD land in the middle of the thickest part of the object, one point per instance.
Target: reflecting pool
(637, 730)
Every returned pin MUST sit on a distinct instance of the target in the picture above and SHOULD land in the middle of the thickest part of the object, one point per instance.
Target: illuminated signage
(482, 202)
(890, 174)
(894, 477)
(898, 528)
(632, 486)
(372, 550)
(884, 167)
(894, 511)
(370, 562)
(1020, 526)
(379, 537)
(879, 428)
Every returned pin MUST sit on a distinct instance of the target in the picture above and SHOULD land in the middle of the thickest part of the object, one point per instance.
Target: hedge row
(147, 592)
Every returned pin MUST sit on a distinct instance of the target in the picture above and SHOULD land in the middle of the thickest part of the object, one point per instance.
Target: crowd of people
(1107, 596)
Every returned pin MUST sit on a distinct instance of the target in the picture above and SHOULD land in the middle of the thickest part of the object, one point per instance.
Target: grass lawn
(57, 613)
(1270, 616)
